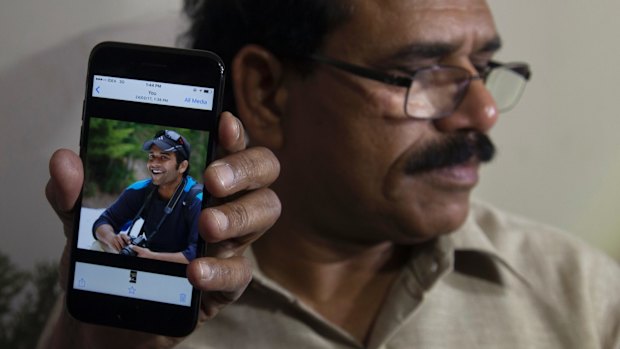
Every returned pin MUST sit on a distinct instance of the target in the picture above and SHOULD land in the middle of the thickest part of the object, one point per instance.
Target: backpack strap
(194, 190)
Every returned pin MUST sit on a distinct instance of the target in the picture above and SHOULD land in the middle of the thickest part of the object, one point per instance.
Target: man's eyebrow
(424, 51)
(492, 45)
(429, 50)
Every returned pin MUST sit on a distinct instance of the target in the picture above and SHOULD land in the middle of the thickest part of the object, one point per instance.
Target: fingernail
(205, 271)
(220, 217)
(225, 175)
(238, 128)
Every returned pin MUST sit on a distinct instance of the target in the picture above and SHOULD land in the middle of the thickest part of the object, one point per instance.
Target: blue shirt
(179, 231)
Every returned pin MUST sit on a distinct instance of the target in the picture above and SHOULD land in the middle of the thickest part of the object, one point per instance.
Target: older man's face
(350, 155)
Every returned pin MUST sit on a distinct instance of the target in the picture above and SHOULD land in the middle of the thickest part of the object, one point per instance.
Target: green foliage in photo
(115, 155)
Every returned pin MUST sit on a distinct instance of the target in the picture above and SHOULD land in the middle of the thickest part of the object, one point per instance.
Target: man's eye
(481, 65)
(411, 70)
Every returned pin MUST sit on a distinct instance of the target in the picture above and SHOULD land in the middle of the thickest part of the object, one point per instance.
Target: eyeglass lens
(506, 87)
(437, 91)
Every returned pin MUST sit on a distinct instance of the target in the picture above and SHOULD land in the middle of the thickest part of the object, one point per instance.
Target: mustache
(452, 150)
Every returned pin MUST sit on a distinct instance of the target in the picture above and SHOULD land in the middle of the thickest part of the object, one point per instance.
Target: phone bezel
(160, 64)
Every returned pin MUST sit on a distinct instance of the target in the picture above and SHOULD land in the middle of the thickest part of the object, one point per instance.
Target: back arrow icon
(97, 89)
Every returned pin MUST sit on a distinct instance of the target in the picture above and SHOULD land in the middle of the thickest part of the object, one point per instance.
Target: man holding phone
(379, 113)
(167, 234)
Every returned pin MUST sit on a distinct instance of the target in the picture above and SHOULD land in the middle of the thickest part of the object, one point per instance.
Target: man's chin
(431, 221)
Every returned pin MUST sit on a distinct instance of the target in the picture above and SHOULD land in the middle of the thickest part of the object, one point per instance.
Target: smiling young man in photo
(169, 235)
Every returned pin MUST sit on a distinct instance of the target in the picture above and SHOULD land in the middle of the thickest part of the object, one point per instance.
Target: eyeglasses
(436, 91)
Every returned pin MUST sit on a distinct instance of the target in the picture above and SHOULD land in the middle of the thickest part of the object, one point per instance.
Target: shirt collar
(471, 238)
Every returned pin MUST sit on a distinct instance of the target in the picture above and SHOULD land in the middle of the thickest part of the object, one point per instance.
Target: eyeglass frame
(520, 68)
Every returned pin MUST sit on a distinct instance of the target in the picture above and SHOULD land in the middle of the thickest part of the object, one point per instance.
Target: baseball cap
(168, 140)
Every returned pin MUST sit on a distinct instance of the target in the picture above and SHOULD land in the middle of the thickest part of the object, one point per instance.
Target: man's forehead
(443, 4)
(383, 23)
(470, 6)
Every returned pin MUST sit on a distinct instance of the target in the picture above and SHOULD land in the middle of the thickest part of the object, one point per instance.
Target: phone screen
(148, 131)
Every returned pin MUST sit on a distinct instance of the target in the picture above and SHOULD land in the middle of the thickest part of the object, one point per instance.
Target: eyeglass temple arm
(360, 71)
(520, 68)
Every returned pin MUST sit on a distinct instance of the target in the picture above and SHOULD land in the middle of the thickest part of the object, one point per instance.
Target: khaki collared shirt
(498, 282)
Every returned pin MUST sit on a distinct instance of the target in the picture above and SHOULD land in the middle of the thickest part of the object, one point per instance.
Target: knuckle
(238, 221)
(241, 274)
(239, 216)
(232, 274)
(246, 217)
(254, 213)
(249, 169)
(272, 201)
(257, 166)
(268, 208)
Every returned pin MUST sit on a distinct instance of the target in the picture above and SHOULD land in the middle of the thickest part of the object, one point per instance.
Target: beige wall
(559, 152)
(30, 26)
(560, 149)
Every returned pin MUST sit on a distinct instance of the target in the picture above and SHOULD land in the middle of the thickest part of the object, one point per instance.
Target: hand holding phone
(63, 188)
(162, 104)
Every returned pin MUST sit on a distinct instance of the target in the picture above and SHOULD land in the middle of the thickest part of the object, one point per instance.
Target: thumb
(64, 185)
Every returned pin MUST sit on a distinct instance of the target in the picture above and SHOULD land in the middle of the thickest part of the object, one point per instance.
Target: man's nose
(477, 111)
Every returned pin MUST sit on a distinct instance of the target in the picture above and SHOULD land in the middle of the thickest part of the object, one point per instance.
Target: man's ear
(260, 94)
(183, 166)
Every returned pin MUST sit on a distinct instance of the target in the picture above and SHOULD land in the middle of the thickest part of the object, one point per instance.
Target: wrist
(104, 235)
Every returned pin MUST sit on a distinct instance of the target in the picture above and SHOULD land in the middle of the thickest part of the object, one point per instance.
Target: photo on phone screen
(149, 129)
(127, 166)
